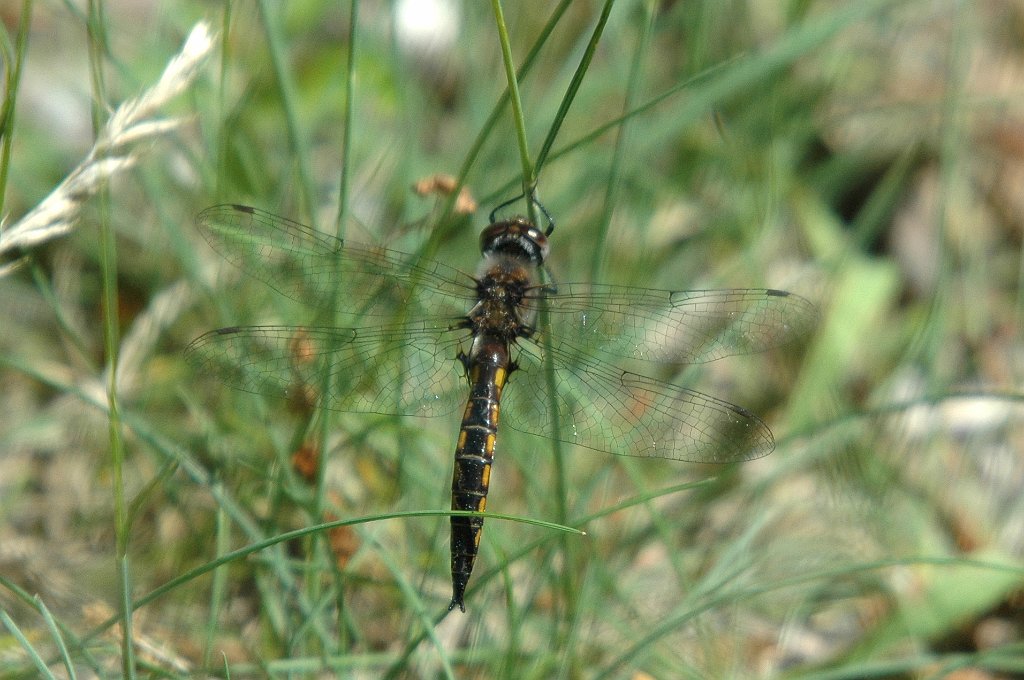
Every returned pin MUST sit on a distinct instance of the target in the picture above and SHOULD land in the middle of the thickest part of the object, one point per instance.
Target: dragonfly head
(518, 238)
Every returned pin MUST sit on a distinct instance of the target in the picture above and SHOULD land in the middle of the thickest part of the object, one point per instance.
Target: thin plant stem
(296, 140)
(111, 324)
(621, 138)
(218, 589)
(575, 83)
(348, 92)
(13, 80)
(37, 661)
(529, 180)
(222, 141)
(567, 582)
(489, 125)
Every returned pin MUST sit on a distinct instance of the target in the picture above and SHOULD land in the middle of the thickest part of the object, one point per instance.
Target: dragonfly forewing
(310, 267)
(676, 327)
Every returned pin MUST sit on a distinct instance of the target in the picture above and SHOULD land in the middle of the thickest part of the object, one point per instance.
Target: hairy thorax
(503, 284)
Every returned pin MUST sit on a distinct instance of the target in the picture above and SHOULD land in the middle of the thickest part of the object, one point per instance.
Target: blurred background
(868, 157)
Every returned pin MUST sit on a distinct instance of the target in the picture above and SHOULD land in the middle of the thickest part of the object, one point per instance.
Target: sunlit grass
(848, 153)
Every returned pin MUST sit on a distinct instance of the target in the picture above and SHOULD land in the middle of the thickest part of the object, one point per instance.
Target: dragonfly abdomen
(487, 368)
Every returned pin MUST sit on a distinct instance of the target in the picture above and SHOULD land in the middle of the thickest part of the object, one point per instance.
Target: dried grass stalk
(57, 214)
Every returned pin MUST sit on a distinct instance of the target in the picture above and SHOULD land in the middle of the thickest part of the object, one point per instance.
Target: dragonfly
(418, 337)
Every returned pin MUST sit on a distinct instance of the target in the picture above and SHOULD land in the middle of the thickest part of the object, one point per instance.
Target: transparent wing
(306, 265)
(683, 327)
(407, 369)
(411, 368)
(607, 409)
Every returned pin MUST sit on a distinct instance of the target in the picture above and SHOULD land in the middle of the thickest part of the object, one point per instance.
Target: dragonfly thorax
(502, 286)
(517, 238)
